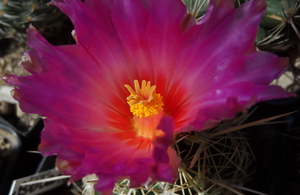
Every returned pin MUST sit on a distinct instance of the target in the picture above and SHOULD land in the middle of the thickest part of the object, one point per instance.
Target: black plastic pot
(24, 159)
(8, 171)
(276, 146)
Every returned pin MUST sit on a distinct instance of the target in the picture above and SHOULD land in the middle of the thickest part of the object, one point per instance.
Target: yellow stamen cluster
(143, 100)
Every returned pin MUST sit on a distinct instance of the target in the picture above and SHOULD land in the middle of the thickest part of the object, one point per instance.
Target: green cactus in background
(197, 8)
(279, 27)
(16, 15)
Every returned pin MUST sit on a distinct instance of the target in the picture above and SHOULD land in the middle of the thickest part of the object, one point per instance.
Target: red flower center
(147, 108)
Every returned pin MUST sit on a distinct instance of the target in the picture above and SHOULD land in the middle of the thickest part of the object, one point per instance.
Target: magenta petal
(163, 153)
(249, 68)
(122, 154)
(52, 59)
(162, 143)
(225, 102)
(252, 68)
(164, 31)
(110, 56)
(105, 184)
(217, 57)
(131, 29)
(216, 12)
(75, 113)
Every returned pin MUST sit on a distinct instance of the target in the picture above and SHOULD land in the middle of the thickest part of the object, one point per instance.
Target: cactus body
(15, 16)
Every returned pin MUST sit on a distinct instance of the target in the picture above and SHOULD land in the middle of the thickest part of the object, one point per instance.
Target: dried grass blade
(248, 125)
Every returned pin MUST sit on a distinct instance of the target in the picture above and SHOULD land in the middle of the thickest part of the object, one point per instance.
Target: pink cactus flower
(140, 72)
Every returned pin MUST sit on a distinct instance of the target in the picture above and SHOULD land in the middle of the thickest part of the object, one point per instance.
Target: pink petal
(215, 52)
(122, 154)
(225, 102)
(102, 45)
(252, 68)
(215, 14)
(164, 154)
(215, 62)
(163, 33)
(52, 58)
(131, 28)
(67, 103)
